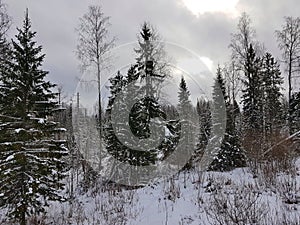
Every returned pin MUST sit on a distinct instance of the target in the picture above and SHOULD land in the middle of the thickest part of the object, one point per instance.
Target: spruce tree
(185, 104)
(262, 107)
(187, 125)
(143, 78)
(117, 134)
(5, 23)
(295, 113)
(31, 156)
(113, 145)
(252, 93)
(204, 114)
(150, 53)
(231, 154)
(272, 82)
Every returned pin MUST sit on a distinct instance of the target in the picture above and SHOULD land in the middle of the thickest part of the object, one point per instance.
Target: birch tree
(93, 44)
(5, 23)
(288, 39)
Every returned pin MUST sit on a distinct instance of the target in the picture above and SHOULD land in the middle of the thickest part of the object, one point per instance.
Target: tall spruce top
(183, 95)
(23, 85)
(146, 32)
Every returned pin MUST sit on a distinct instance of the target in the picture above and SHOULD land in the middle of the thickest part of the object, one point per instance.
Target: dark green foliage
(204, 114)
(231, 154)
(253, 93)
(31, 154)
(113, 145)
(5, 23)
(22, 83)
(261, 100)
(263, 116)
(142, 79)
(262, 107)
(141, 114)
(138, 123)
(295, 113)
(186, 123)
(272, 82)
(185, 104)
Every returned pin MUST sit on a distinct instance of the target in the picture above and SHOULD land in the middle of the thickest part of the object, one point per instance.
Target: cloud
(199, 7)
(207, 34)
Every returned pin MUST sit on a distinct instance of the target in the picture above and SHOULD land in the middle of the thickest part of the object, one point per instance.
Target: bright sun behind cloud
(198, 7)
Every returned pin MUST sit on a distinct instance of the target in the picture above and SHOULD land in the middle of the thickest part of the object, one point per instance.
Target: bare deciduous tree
(232, 80)
(5, 20)
(289, 43)
(93, 44)
(241, 40)
(5, 23)
(236, 69)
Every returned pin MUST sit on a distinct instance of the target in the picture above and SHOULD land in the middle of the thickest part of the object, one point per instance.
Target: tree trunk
(290, 92)
(99, 110)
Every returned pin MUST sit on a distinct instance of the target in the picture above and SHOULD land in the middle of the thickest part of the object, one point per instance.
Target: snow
(42, 102)
(6, 143)
(184, 199)
(54, 172)
(10, 158)
(167, 132)
(61, 129)
(41, 120)
(7, 172)
(18, 130)
(160, 155)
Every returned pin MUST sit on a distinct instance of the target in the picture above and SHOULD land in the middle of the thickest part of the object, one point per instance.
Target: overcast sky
(201, 26)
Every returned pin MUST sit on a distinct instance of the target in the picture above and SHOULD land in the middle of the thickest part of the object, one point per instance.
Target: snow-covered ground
(235, 197)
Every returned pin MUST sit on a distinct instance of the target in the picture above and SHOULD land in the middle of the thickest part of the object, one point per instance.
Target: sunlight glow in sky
(207, 62)
(198, 7)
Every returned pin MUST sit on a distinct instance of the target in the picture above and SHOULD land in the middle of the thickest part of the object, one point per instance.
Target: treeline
(248, 94)
(259, 114)
(257, 121)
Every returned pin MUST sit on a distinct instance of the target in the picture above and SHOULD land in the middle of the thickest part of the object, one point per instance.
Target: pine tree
(31, 161)
(147, 62)
(232, 142)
